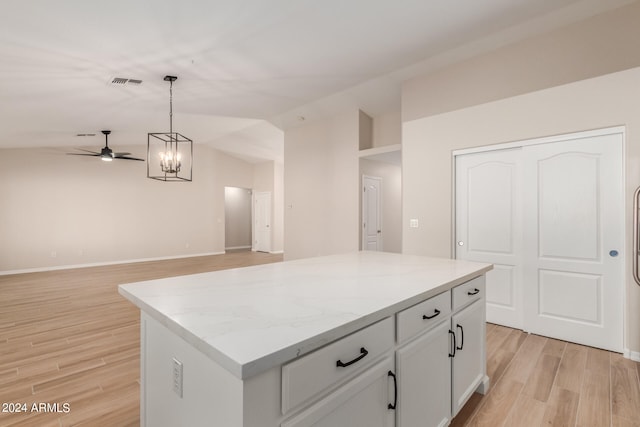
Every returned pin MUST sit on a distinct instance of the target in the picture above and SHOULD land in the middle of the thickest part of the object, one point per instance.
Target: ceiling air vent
(120, 81)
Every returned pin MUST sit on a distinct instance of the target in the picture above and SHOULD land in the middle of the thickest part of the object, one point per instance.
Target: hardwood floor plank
(497, 338)
(598, 360)
(527, 412)
(541, 379)
(514, 341)
(525, 359)
(468, 411)
(561, 408)
(497, 364)
(554, 347)
(623, 422)
(572, 368)
(595, 402)
(498, 404)
(625, 391)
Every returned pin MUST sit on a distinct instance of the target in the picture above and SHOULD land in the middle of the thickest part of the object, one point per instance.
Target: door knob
(460, 243)
(613, 253)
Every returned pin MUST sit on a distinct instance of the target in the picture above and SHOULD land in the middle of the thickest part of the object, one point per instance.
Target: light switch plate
(413, 223)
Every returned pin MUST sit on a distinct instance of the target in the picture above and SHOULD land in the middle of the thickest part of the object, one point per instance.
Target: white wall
(596, 46)
(86, 211)
(321, 187)
(391, 209)
(605, 101)
(277, 241)
(387, 129)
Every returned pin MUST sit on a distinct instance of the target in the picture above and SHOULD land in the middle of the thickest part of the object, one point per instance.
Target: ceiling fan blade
(83, 154)
(129, 158)
(121, 154)
(88, 151)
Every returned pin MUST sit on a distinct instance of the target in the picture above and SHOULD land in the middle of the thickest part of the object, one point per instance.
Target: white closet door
(574, 238)
(489, 227)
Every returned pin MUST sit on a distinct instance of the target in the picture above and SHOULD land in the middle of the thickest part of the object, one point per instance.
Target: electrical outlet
(177, 377)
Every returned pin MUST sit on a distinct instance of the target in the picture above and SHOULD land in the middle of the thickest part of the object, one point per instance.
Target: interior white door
(574, 225)
(371, 221)
(262, 221)
(550, 217)
(489, 227)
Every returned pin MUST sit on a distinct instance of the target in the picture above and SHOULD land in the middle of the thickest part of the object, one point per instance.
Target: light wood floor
(537, 381)
(68, 337)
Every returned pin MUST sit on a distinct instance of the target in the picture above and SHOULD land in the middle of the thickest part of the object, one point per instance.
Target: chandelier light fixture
(169, 154)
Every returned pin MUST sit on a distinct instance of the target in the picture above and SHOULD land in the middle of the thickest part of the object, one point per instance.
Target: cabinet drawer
(423, 316)
(310, 375)
(468, 292)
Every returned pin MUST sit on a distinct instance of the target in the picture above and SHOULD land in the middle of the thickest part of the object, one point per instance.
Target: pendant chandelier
(169, 154)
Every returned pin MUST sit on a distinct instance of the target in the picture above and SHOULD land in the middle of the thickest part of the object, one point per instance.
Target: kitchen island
(338, 340)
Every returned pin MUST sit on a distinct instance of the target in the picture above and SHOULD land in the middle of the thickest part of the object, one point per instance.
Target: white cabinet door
(424, 380)
(468, 360)
(362, 402)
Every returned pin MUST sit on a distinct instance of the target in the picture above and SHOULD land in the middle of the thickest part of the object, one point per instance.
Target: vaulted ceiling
(246, 69)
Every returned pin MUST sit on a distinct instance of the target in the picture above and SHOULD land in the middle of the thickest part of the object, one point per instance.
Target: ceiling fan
(106, 153)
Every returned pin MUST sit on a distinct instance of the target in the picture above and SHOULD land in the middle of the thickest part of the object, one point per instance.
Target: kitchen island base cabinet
(363, 402)
(469, 359)
(424, 374)
(384, 362)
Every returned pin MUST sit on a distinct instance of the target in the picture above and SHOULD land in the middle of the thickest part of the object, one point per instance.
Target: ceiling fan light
(106, 158)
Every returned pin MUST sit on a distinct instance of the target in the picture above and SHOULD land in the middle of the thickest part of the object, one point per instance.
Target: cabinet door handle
(363, 353)
(395, 391)
(475, 291)
(461, 337)
(435, 313)
(454, 343)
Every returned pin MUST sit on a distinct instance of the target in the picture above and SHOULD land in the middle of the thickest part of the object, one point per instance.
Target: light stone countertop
(251, 319)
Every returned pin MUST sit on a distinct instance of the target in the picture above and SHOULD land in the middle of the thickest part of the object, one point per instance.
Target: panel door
(468, 361)
(489, 227)
(574, 222)
(262, 220)
(371, 220)
(362, 402)
(424, 380)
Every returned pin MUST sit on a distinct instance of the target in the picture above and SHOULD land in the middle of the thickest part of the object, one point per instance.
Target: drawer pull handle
(435, 313)
(363, 353)
(453, 334)
(475, 291)
(395, 391)
(461, 337)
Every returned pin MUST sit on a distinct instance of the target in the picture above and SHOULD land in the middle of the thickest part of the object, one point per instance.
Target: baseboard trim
(100, 264)
(633, 355)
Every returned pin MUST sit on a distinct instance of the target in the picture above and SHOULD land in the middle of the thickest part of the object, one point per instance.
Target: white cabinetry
(424, 380)
(363, 402)
(365, 344)
(443, 362)
(468, 360)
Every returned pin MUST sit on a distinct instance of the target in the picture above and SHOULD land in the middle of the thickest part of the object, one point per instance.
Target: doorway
(262, 221)
(371, 214)
(549, 214)
(237, 223)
